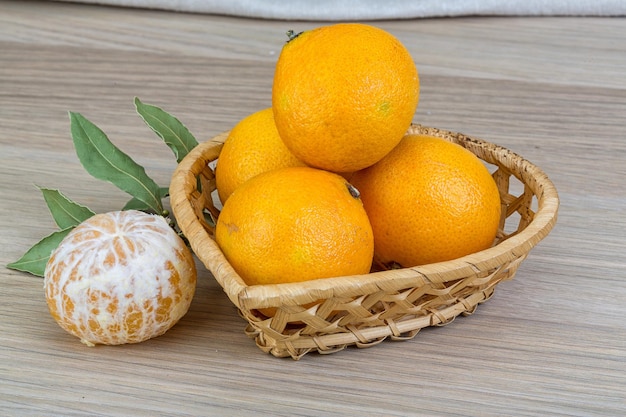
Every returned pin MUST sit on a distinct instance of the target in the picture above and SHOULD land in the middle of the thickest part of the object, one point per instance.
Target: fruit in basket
(295, 224)
(429, 200)
(253, 146)
(344, 95)
(120, 277)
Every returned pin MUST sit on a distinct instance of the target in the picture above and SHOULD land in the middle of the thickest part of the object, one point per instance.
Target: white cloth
(335, 10)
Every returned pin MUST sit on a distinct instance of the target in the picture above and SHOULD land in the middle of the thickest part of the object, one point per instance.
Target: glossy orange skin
(252, 147)
(344, 95)
(428, 201)
(295, 224)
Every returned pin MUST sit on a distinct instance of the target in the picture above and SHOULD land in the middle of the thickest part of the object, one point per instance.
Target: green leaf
(135, 204)
(36, 258)
(65, 212)
(103, 160)
(169, 128)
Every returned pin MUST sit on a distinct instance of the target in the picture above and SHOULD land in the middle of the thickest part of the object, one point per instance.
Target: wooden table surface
(551, 342)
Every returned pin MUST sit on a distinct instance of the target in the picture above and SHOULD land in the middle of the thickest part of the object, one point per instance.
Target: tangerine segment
(295, 224)
(120, 277)
(429, 200)
(344, 95)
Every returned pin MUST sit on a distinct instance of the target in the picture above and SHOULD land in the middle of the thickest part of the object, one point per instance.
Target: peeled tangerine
(120, 277)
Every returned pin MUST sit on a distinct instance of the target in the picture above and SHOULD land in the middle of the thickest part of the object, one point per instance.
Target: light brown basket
(329, 314)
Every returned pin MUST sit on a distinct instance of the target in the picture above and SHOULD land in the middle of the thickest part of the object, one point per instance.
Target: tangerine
(429, 200)
(120, 277)
(253, 146)
(295, 224)
(343, 95)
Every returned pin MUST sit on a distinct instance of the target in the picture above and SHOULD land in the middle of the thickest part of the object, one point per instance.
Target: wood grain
(550, 342)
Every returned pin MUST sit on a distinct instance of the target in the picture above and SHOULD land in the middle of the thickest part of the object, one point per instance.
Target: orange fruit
(429, 200)
(253, 146)
(120, 277)
(295, 224)
(344, 95)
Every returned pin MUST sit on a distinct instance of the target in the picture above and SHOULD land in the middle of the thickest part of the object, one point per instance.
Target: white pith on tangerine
(120, 277)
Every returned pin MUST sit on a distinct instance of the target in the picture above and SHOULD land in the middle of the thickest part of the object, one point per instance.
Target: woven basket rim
(247, 297)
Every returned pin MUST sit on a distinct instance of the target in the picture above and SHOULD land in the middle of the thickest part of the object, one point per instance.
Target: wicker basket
(329, 314)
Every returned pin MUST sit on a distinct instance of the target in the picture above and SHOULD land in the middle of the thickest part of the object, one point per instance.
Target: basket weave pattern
(330, 314)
